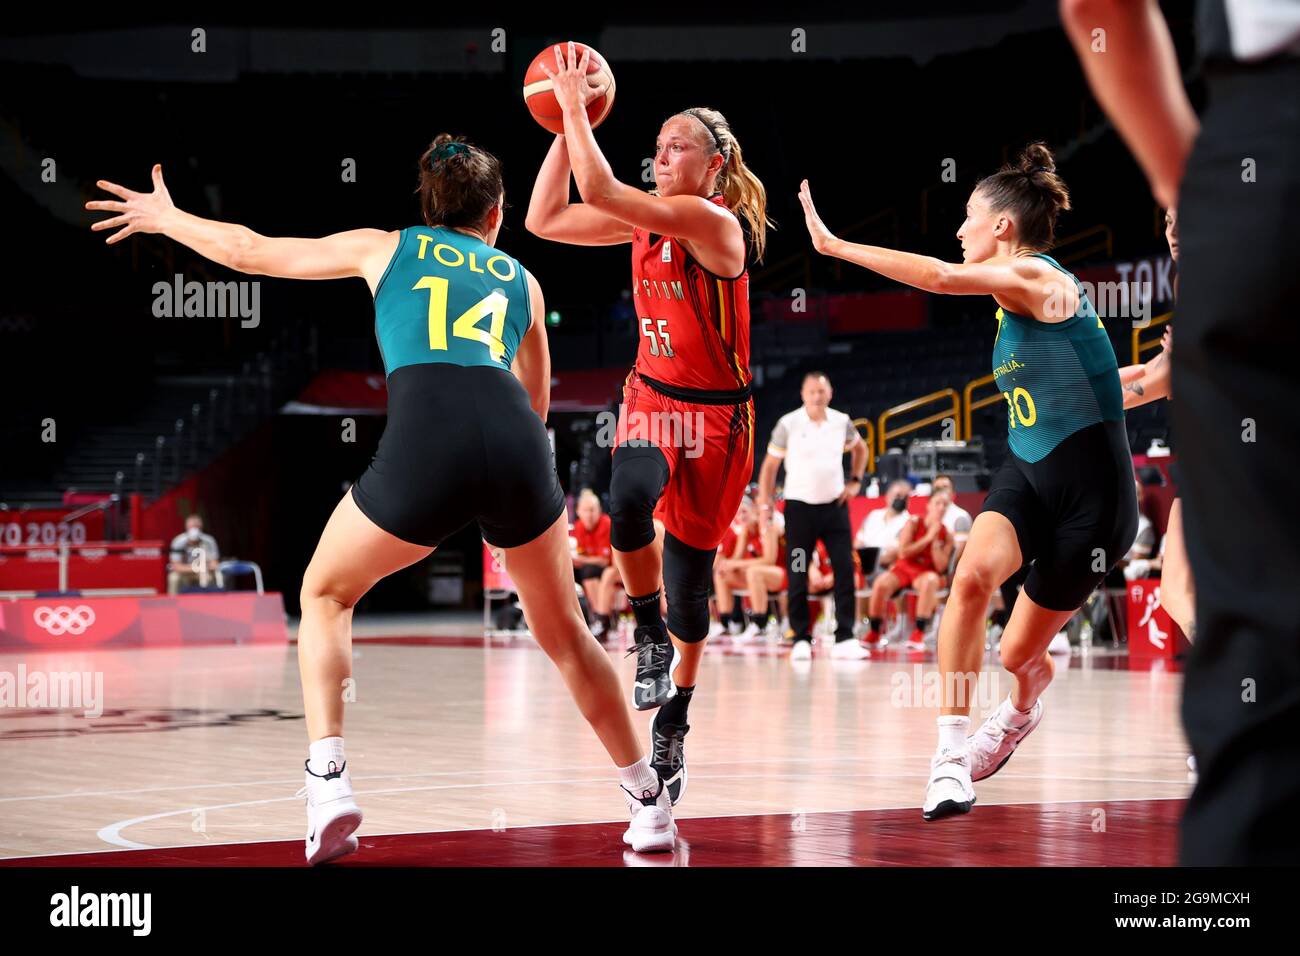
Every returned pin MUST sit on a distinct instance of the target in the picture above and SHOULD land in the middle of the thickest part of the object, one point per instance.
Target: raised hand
(572, 87)
(137, 212)
(821, 236)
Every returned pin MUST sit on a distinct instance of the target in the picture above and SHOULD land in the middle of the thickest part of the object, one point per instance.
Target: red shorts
(710, 453)
(908, 571)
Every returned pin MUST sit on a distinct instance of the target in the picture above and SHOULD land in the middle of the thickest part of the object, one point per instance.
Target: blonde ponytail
(741, 190)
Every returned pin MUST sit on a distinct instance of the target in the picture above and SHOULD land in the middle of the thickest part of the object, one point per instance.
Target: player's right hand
(139, 212)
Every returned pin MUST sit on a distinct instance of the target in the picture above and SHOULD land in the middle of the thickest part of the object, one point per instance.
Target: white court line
(126, 846)
(287, 781)
(112, 835)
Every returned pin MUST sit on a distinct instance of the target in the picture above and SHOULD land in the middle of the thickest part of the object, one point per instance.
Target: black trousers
(1235, 398)
(804, 525)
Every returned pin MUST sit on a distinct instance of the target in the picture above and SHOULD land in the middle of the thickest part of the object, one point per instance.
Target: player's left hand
(851, 489)
(570, 83)
(821, 236)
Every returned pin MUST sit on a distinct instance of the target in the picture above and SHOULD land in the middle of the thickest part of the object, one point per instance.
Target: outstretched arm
(1016, 280)
(357, 252)
(692, 218)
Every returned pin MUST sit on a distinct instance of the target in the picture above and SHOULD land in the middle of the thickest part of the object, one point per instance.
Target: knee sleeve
(688, 573)
(636, 482)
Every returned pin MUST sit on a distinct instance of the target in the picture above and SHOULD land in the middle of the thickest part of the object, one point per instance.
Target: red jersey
(728, 543)
(753, 545)
(924, 560)
(593, 543)
(694, 324)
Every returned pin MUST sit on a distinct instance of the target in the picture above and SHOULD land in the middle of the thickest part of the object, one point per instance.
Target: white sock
(1013, 717)
(952, 732)
(322, 751)
(639, 777)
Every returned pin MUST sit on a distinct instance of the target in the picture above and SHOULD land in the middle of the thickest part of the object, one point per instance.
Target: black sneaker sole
(948, 808)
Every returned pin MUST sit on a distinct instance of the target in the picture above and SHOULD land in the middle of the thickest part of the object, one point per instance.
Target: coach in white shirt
(811, 442)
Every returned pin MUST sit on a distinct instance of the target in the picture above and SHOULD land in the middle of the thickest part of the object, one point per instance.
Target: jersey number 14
(466, 325)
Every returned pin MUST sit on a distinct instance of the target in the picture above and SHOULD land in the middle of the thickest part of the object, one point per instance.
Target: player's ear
(495, 216)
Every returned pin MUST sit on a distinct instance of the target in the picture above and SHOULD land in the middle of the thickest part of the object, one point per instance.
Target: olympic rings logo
(63, 619)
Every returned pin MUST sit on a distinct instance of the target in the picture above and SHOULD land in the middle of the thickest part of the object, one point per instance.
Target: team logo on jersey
(668, 250)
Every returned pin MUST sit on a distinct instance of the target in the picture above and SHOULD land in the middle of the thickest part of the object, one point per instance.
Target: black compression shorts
(462, 444)
(1075, 512)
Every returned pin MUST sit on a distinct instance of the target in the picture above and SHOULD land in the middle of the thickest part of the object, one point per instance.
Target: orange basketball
(541, 100)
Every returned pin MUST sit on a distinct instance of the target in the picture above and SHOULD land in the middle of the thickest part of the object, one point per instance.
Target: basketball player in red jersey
(685, 440)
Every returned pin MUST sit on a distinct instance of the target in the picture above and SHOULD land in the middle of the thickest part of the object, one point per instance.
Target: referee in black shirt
(1235, 387)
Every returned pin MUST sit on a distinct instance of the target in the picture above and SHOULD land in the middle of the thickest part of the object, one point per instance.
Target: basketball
(541, 100)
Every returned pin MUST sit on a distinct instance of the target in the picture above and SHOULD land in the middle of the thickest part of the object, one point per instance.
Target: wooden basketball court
(466, 752)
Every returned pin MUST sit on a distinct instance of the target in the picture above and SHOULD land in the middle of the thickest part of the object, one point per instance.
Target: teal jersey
(448, 297)
(1056, 377)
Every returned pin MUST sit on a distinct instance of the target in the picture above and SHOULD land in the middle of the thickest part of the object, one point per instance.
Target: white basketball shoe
(949, 791)
(652, 829)
(332, 815)
(998, 737)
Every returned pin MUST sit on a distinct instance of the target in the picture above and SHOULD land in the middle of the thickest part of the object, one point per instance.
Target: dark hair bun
(459, 183)
(1032, 191)
(1037, 158)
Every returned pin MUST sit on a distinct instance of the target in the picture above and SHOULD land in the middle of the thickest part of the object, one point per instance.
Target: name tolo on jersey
(502, 267)
(103, 909)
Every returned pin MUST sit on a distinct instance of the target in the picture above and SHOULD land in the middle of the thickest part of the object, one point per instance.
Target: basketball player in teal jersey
(1064, 501)
(465, 441)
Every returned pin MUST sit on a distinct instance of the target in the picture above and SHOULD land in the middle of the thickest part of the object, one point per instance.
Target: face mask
(193, 534)
(898, 504)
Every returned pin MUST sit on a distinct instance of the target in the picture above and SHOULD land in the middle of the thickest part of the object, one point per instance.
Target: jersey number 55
(667, 350)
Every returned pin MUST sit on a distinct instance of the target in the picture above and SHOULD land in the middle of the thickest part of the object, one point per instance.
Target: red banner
(81, 623)
(95, 564)
(43, 526)
(1152, 636)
